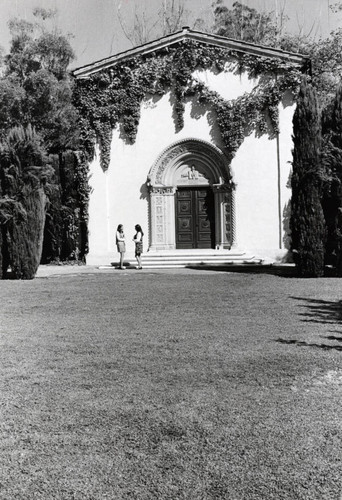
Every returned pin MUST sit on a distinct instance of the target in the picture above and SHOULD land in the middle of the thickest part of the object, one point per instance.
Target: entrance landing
(194, 258)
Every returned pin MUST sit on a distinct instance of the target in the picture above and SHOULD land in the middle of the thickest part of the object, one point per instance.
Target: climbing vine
(112, 97)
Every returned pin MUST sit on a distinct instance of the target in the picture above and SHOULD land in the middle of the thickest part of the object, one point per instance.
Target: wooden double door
(195, 218)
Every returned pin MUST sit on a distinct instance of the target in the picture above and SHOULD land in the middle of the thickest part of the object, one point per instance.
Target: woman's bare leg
(121, 259)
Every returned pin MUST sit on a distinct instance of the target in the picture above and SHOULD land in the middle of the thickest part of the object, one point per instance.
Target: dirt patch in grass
(171, 385)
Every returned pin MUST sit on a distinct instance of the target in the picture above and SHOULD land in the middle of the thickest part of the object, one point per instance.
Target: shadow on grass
(332, 337)
(282, 271)
(301, 343)
(319, 311)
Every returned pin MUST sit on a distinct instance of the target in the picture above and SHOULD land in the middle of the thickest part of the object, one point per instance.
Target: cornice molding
(198, 36)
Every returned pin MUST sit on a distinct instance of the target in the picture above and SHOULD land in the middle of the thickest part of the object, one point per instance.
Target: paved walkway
(46, 271)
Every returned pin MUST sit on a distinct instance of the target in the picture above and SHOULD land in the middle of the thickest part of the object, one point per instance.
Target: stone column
(162, 218)
(224, 229)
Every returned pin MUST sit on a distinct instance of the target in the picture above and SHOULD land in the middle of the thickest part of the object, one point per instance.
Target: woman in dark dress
(138, 240)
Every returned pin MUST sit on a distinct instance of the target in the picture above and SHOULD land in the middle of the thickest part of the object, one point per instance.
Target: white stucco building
(180, 185)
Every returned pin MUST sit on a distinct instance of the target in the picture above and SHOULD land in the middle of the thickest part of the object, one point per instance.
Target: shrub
(332, 199)
(25, 235)
(24, 176)
(307, 219)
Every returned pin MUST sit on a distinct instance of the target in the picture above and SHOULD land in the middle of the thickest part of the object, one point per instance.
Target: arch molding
(194, 163)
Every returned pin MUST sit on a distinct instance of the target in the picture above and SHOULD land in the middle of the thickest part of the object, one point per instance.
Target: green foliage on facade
(113, 97)
(307, 219)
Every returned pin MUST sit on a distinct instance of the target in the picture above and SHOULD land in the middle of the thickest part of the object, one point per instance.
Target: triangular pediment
(236, 46)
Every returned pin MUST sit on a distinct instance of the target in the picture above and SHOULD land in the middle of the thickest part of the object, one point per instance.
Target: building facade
(182, 184)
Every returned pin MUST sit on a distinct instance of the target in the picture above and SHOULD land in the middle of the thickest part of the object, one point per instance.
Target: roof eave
(187, 34)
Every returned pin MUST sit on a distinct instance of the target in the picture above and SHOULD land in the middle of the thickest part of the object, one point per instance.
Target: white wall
(256, 202)
(119, 195)
(285, 152)
(229, 85)
(99, 244)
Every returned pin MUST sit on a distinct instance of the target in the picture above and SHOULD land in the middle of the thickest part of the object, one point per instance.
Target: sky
(97, 32)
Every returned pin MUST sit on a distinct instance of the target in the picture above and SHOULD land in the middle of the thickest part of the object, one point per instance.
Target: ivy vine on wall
(112, 97)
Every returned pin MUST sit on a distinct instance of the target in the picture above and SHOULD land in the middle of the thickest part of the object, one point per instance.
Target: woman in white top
(138, 240)
(120, 244)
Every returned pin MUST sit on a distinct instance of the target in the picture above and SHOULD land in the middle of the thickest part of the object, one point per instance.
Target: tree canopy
(244, 23)
(38, 124)
(36, 87)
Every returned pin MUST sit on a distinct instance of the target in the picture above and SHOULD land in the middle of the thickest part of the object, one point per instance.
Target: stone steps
(191, 258)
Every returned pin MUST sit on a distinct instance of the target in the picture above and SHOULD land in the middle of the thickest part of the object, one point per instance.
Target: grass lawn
(171, 385)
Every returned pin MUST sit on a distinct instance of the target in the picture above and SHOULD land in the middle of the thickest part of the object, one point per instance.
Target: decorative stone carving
(212, 156)
(189, 162)
(190, 175)
(228, 216)
(174, 153)
(162, 190)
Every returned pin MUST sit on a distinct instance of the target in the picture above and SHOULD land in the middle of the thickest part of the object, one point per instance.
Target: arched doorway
(190, 198)
(194, 209)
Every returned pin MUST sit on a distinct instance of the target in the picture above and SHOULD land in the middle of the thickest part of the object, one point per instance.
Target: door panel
(184, 218)
(194, 218)
(204, 218)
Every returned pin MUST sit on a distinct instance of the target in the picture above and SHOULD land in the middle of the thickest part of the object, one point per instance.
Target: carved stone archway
(190, 162)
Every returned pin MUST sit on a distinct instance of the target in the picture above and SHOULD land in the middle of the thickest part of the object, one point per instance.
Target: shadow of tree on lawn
(302, 343)
(281, 271)
(319, 311)
(332, 337)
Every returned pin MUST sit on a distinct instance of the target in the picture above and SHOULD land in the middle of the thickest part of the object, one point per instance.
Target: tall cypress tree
(24, 176)
(307, 219)
(332, 200)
